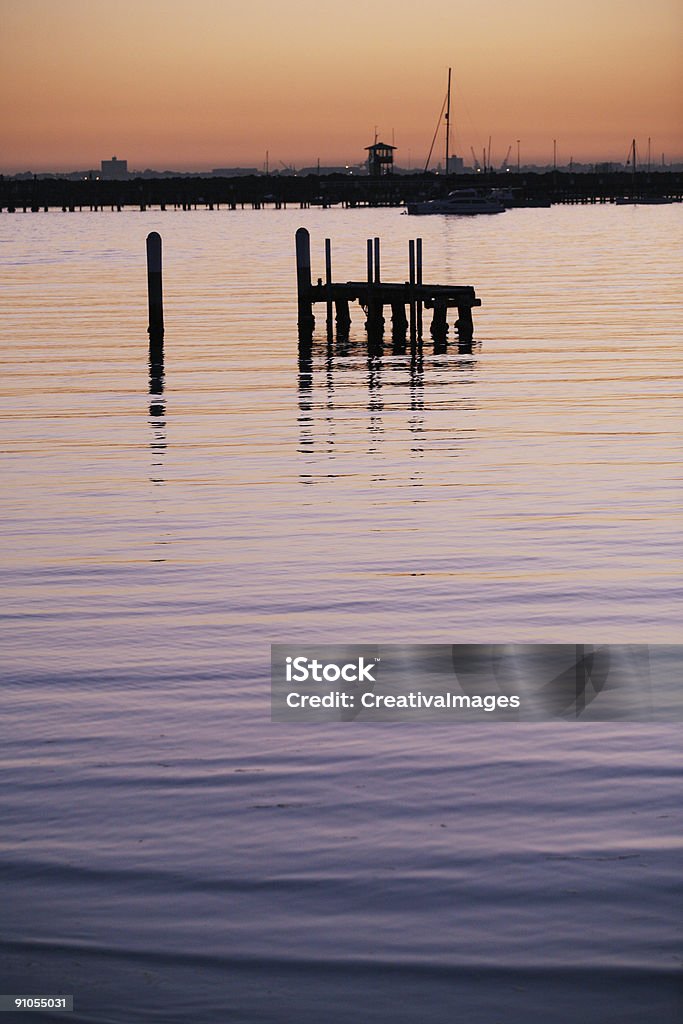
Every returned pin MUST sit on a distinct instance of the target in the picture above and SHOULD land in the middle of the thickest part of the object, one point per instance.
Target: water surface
(168, 853)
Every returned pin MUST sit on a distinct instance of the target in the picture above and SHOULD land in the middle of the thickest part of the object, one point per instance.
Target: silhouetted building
(114, 170)
(380, 159)
(233, 172)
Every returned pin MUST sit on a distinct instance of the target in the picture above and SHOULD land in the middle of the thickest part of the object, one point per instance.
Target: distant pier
(279, 192)
(405, 300)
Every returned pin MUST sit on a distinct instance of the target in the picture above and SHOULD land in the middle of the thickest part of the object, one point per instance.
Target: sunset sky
(213, 83)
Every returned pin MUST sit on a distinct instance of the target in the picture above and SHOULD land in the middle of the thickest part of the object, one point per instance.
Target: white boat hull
(459, 205)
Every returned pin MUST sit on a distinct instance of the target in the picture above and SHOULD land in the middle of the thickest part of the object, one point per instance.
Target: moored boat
(462, 202)
(643, 200)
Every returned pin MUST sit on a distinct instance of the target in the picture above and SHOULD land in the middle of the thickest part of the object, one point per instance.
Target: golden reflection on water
(535, 470)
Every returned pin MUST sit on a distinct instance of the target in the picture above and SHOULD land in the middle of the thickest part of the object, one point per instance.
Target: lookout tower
(380, 159)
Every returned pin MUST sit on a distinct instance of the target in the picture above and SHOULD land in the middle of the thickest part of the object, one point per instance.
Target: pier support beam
(342, 316)
(399, 320)
(374, 322)
(464, 323)
(439, 328)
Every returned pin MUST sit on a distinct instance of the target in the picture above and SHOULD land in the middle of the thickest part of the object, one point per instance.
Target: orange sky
(216, 83)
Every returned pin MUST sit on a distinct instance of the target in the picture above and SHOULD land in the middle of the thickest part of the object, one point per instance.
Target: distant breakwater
(279, 191)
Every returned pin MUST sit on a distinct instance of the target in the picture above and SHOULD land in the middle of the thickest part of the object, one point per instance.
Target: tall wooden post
(411, 291)
(154, 287)
(306, 320)
(418, 260)
(375, 318)
(328, 282)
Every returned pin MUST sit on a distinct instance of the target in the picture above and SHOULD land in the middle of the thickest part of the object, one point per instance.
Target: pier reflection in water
(353, 386)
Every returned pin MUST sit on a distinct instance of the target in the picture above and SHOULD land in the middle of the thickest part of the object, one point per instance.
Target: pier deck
(387, 293)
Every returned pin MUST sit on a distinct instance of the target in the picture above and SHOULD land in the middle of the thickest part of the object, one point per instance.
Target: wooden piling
(342, 316)
(328, 281)
(464, 323)
(411, 280)
(399, 321)
(375, 311)
(306, 319)
(154, 287)
(439, 328)
(418, 268)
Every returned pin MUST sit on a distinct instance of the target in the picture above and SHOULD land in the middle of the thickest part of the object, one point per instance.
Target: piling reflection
(329, 399)
(305, 392)
(350, 384)
(375, 399)
(416, 390)
(156, 375)
(157, 408)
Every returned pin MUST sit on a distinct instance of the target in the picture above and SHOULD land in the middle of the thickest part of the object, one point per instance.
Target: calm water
(170, 855)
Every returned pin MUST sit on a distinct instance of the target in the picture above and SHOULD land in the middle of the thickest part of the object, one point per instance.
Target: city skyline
(165, 86)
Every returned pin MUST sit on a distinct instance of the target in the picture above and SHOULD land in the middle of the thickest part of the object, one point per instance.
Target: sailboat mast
(448, 121)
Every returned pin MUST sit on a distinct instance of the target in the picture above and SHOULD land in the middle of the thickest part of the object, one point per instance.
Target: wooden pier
(287, 191)
(374, 295)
